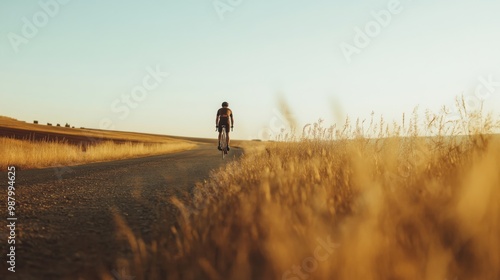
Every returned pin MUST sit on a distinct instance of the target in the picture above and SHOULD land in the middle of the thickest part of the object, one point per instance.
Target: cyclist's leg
(227, 137)
(220, 133)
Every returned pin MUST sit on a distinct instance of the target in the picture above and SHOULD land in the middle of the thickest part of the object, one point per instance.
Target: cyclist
(222, 118)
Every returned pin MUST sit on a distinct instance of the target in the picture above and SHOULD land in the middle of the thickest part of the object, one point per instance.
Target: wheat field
(40, 154)
(62, 146)
(337, 204)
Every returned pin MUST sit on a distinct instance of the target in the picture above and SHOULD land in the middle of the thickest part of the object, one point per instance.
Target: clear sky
(105, 63)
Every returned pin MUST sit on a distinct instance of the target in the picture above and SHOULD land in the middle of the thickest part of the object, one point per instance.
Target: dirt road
(65, 221)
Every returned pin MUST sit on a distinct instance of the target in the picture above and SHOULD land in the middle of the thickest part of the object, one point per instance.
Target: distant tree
(58, 125)
(35, 122)
(49, 124)
(67, 125)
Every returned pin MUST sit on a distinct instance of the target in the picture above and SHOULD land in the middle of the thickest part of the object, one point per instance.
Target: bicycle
(223, 141)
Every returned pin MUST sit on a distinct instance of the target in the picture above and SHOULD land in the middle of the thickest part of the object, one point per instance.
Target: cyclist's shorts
(227, 127)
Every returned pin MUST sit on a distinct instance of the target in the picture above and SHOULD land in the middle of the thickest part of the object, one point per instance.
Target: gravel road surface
(65, 223)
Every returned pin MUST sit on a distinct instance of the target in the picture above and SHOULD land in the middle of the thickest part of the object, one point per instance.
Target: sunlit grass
(38, 154)
(344, 203)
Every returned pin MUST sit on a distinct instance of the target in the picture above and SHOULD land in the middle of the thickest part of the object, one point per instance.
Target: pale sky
(89, 63)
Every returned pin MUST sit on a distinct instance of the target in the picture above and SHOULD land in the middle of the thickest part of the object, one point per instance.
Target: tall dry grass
(39, 154)
(340, 205)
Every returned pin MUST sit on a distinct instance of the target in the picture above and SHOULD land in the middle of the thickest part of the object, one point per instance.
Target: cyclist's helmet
(225, 104)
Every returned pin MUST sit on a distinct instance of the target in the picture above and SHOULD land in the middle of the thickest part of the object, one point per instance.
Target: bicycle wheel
(223, 142)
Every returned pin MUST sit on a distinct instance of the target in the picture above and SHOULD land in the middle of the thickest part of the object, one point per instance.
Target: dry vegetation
(83, 134)
(39, 154)
(340, 205)
(28, 145)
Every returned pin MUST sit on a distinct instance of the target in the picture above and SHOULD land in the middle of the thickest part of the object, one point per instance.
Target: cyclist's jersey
(224, 114)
